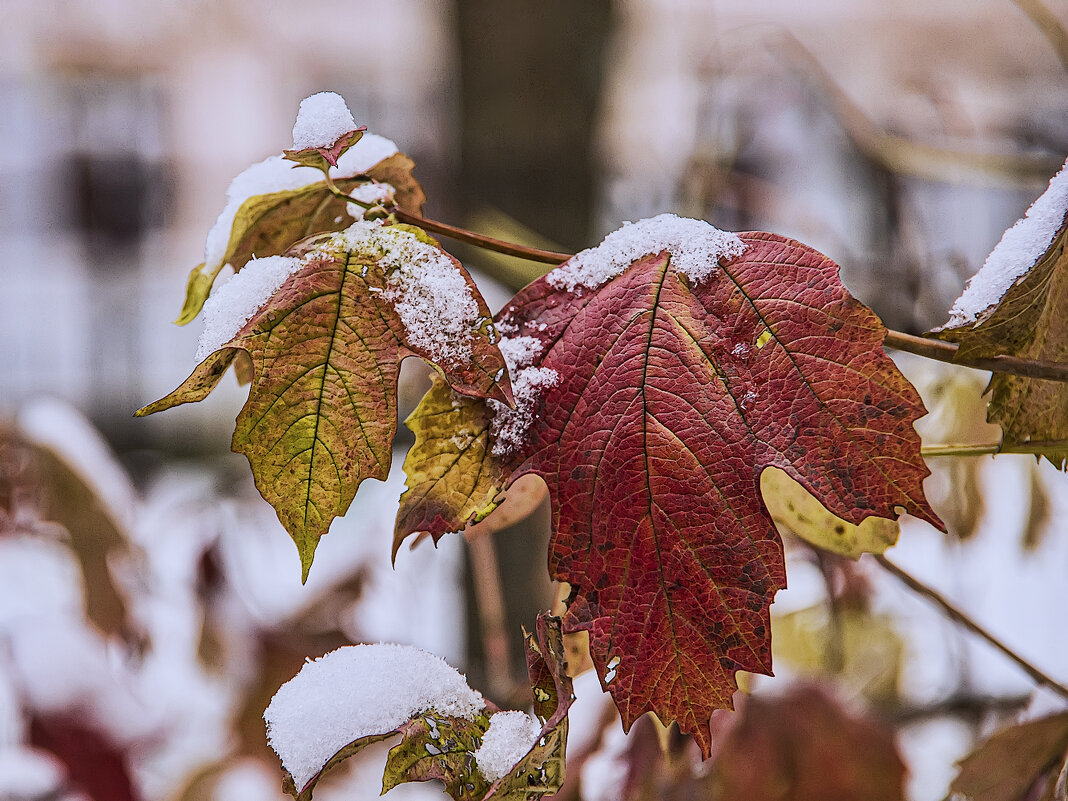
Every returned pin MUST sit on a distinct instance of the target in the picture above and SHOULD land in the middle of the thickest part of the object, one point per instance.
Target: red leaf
(806, 748)
(654, 402)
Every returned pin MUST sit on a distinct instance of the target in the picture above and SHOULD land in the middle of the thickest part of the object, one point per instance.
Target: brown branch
(957, 616)
(928, 348)
(947, 352)
(478, 240)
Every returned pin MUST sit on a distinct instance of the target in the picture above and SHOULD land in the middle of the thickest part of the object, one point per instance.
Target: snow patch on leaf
(321, 120)
(429, 293)
(509, 737)
(695, 247)
(276, 174)
(509, 427)
(359, 691)
(1019, 249)
(370, 192)
(234, 303)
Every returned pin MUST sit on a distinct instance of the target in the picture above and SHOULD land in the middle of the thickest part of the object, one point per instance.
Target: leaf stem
(957, 616)
(921, 346)
(957, 449)
(478, 240)
(342, 195)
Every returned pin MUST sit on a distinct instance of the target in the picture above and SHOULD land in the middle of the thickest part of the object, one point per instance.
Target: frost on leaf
(326, 350)
(274, 204)
(1015, 306)
(672, 393)
(1023, 761)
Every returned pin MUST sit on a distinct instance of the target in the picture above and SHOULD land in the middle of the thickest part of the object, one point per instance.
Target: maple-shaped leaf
(653, 385)
(273, 205)
(1015, 306)
(1021, 762)
(326, 349)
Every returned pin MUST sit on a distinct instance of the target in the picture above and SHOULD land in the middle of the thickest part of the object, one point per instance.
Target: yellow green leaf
(794, 509)
(326, 351)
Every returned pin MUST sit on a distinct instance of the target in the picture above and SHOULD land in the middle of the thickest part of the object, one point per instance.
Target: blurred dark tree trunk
(531, 76)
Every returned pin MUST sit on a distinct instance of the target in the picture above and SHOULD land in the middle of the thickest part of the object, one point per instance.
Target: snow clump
(695, 247)
(509, 427)
(234, 303)
(507, 740)
(322, 119)
(425, 286)
(1017, 252)
(275, 174)
(358, 691)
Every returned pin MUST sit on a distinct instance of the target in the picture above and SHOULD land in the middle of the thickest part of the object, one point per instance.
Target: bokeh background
(149, 602)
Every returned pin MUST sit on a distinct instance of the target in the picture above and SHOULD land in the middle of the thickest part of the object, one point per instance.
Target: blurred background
(149, 602)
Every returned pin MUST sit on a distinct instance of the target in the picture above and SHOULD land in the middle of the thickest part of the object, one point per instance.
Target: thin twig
(487, 242)
(955, 449)
(489, 595)
(947, 352)
(958, 616)
(928, 348)
(1046, 21)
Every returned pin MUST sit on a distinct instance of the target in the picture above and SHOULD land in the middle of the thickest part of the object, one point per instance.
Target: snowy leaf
(324, 130)
(357, 695)
(794, 510)
(540, 771)
(1015, 305)
(326, 349)
(650, 395)
(273, 205)
(1020, 762)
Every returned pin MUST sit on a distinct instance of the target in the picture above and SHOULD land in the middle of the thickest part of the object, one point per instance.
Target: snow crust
(428, 291)
(275, 174)
(234, 303)
(321, 121)
(509, 427)
(695, 247)
(1020, 247)
(509, 737)
(357, 691)
(370, 192)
